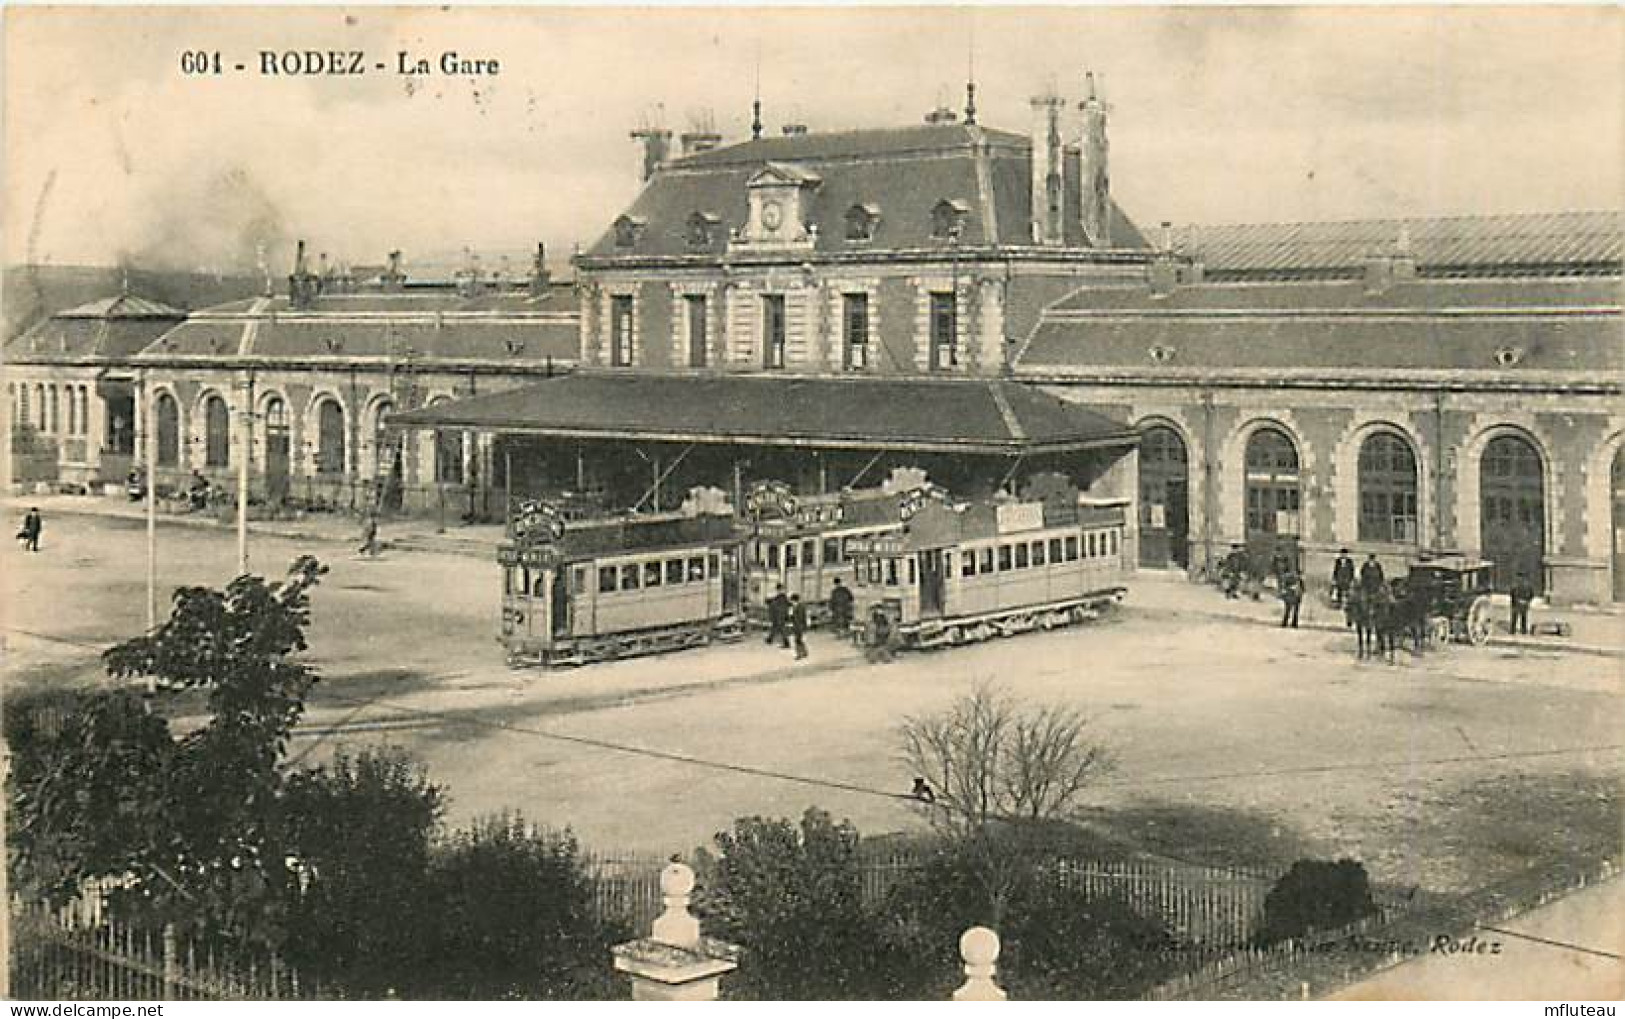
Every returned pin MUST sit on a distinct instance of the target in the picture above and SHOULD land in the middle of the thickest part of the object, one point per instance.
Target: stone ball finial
(676, 879)
(979, 947)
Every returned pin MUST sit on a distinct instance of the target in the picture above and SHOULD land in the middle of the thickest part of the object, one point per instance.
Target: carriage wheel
(1479, 621)
(1439, 629)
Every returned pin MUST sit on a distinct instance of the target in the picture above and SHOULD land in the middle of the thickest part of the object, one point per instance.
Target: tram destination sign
(536, 557)
(536, 522)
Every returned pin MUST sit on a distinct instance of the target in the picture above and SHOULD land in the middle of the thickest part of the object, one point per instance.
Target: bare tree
(998, 769)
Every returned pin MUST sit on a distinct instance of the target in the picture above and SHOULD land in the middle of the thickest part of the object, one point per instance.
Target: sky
(1218, 115)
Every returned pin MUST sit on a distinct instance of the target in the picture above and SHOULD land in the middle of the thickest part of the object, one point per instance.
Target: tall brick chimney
(1048, 194)
(1095, 205)
(540, 278)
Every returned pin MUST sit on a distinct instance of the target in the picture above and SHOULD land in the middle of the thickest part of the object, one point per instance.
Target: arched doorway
(1273, 495)
(1512, 510)
(1164, 499)
(276, 450)
(168, 413)
(1388, 493)
(1619, 523)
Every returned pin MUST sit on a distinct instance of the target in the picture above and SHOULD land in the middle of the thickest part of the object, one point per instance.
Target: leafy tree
(1002, 773)
(792, 895)
(361, 829)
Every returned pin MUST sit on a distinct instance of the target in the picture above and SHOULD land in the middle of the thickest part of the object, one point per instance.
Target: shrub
(1316, 895)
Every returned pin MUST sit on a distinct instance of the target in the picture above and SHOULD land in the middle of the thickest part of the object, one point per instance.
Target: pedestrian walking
(1291, 598)
(840, 608)
(1371, 576)
(369, 536)
(778, 615)
(30, 532)
(798, 624)
(1523, 593)
(1342, 577)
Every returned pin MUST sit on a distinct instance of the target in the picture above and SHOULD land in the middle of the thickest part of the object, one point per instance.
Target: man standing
(32, 524)
(798, 624)
(840, 608)
(1291, 598)
(1523, 592)
(1371, 577)
(1342, 577)
(778, 614)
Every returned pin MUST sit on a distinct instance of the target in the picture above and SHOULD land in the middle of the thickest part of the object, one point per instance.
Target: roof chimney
(941, 115)
(794, 130)
(1095, 204)
(540, 278)
(303, 285)
(1048, 199)
(692, 142)
(656, 147)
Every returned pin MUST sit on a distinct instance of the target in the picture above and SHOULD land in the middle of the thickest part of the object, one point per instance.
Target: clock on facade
(772, 215)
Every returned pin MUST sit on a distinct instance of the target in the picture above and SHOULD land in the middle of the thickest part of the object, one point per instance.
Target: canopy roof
(924, 415)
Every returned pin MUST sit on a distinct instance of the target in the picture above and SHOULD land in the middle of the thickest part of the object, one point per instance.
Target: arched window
(1387, 480)
(381, 446)
(216, 432)
(1512, 509)
(329, 438)
(1273, 498)
(168, 414)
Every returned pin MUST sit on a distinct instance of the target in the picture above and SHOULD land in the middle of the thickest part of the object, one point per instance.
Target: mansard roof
(905, 171)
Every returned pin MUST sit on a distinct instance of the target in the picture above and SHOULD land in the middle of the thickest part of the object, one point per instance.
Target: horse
(1358, 612)
(1383, 619)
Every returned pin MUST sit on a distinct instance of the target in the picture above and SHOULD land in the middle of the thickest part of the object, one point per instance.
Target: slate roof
(904, 172)
(1455, 245)
(1548, 328)
(974, 416)
(109, 329)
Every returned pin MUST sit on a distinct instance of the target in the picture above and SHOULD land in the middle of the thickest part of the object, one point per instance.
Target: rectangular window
(772, 557)
(1055, 550)
(809, 549)
(832, 550)
(986, 566)
(790, 549)
(629, 577)
(773, 331)
(651, 574)
(1072, 548)
(1021, 556)
(1094, 544)
(1004, 558)
(1113, 535)
(716, 563)
(911, 571)
(674, 571)
(606, 579)
(855, 327)
(944, 331)
(620, 330)
(891, 573)
(1038, 553)
(696, 568)
(694, 308)
(967, 563)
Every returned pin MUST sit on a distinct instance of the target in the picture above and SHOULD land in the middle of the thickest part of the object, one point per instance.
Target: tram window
(674, 571)
(874, 571)
(1038, 553)
(696, 567)
(629, 577)
(891, 573)
(606, 579)
(507, 582)
(756, 552)
(1004, 558)
(809, 551)
(1021, 555)
(967, 563)
(539, 588)
(772, 557)
(580, 579)
(651, 574)
(832, 551)
(790, 561)
(1055, 550)
(1113, 535)
(1072, 548)
(716, 564)
(911, 570)
(986, 556)
(524, 581)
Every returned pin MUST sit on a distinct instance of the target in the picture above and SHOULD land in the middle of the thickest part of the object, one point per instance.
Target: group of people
(788, 623)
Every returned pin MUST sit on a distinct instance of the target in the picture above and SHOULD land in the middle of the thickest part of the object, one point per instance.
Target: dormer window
(627, 231)
(861, 221)
(702, 229)
(947, 219)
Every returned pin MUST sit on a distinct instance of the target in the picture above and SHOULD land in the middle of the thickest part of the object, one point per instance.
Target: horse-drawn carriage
(1454, 593)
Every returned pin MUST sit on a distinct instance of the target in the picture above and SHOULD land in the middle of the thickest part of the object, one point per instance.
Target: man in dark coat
(798, 624)
(778, 615)
(1291, 598)
(1523, 592)
(840, 607)
(1371, 576)
(32, 525)
(1342, 577)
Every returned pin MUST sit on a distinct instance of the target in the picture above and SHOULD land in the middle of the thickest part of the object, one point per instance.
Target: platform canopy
(975, 416)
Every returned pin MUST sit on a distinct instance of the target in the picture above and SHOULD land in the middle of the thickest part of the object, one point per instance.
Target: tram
(576, 592)
(969, 572)
(802, 545)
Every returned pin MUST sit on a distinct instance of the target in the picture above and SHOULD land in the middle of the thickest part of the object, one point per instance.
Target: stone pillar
(979, 947)
(676, 962)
